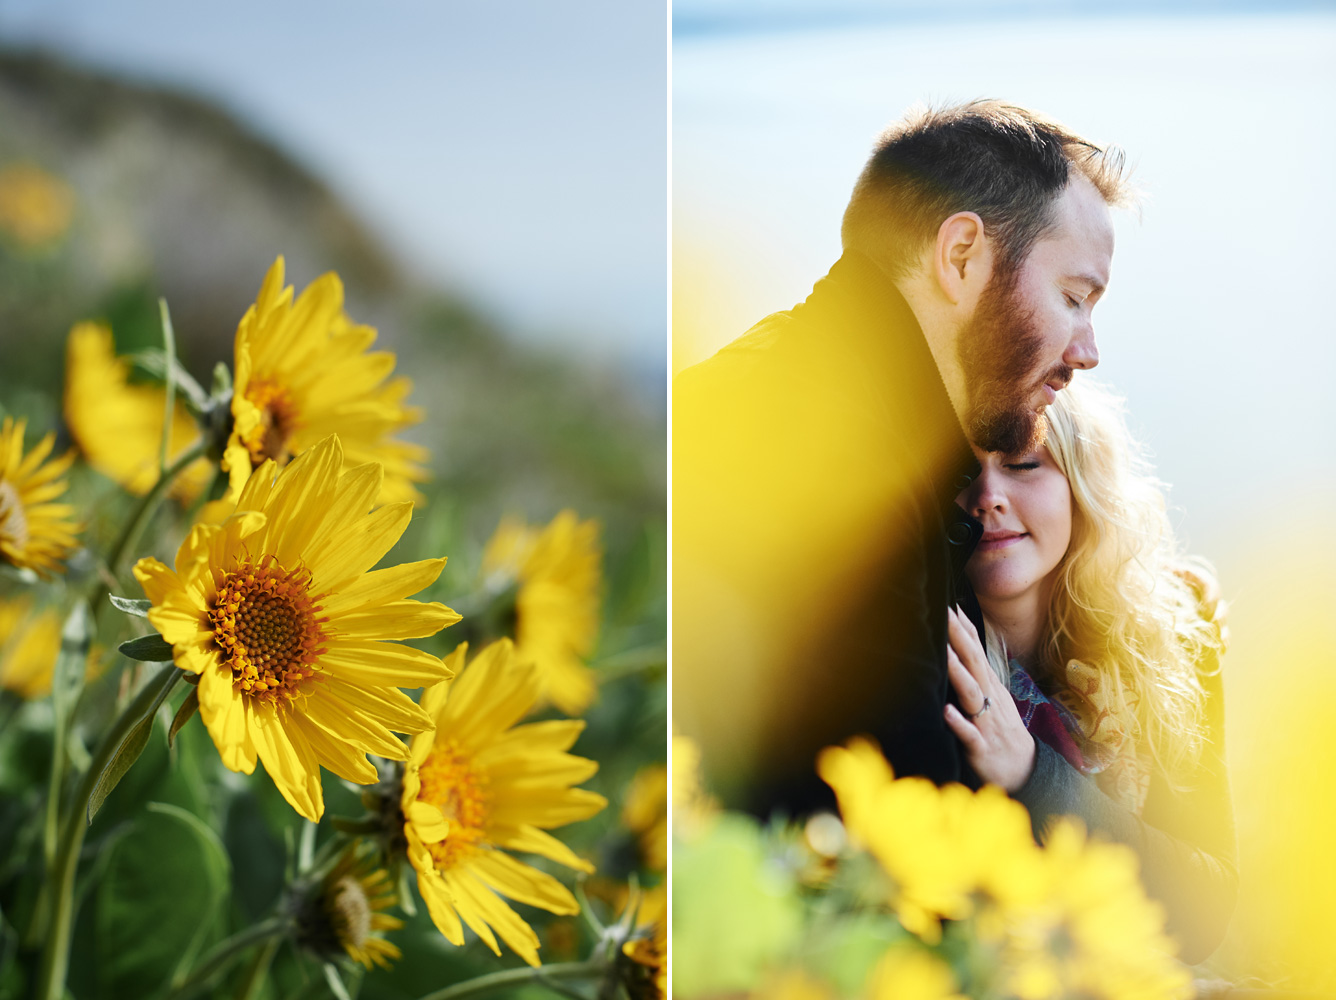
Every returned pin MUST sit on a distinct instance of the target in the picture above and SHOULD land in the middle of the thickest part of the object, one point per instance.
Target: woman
(1098, 693)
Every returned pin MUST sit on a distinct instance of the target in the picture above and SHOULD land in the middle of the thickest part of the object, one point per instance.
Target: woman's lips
(993, 541)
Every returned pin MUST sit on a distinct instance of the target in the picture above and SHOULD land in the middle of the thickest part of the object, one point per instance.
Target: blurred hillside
(172, 196)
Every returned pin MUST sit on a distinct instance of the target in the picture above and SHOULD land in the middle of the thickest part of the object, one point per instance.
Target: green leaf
(121, 761)
(158, 902)
(219, 872)
(149, 647)
(131, 606)
(183, 714)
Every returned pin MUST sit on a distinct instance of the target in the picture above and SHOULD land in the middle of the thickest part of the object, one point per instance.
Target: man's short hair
(1000, 161)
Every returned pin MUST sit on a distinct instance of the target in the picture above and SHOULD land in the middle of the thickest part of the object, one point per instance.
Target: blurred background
(489, 180)
(1216, 326)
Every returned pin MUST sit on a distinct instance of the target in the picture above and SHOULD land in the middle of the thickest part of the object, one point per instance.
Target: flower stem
(148, 505)
(483, 985)
(226, 951)
(56, 950)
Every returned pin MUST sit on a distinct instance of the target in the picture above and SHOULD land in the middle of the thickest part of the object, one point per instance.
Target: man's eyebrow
(1096, 285)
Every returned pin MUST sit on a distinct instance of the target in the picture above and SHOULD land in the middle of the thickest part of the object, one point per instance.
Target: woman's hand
(997, 744)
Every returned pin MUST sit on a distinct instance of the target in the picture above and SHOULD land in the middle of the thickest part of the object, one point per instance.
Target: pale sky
(515, 150)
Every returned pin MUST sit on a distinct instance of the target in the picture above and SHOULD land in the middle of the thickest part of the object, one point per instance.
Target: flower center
(278, 420)
(452, 783)
(349, 911)
(13, 518)
(269, 629)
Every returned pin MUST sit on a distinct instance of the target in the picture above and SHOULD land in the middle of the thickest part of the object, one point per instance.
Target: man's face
(1032, 327)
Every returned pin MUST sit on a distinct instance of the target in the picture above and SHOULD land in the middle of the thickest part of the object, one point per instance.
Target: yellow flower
(303, 373)
(34, 533)
(344, 915)
(479, 786)
(940, 846)
(276, 611)
(645, 812)
(29, 644)
(647, 978)
(556, 606)
(907, 972)
(118, 426)
(1067, 919)
(1093, 932)
(35, 207)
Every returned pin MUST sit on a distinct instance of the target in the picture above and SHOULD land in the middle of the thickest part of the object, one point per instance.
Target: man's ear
(962, 258)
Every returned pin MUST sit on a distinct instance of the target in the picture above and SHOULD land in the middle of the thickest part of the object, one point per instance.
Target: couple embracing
(904, 509)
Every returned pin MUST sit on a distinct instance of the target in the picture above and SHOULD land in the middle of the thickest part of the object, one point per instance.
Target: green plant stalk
(143, 513)
(594, 968)
(169, 350)
(259, 968)
(56, 950)
(226, 951)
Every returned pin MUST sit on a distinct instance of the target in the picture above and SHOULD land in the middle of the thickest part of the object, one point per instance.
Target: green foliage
(734, 912)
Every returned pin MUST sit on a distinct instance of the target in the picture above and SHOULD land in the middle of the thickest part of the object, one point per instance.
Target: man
(815, 460)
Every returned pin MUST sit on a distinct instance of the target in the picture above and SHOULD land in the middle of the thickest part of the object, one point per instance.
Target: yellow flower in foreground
(556, 606)
(344, 916)
(1067, 919)
(645, 812)
(302, 373)
(118, 426)
(481, 785)
(34, 533)
(276, 611)
(940, 846)
(908, 972)
(35, 207)
(29, 644)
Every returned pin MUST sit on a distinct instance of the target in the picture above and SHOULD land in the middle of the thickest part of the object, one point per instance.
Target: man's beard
(998, 351)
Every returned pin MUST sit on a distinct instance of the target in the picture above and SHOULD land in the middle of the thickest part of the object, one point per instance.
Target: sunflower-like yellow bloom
(35, 207)
(479, 786)
(647, 978)
(557, 572)
(907, 972)
(29, 644)
(276, 611)
(1067, 919)
(302, 373)
(645, 813)
(118, 426)
(34, 533)
(346, 914)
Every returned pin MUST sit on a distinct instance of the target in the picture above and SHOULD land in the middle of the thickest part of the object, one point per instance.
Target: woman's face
(1025, 504)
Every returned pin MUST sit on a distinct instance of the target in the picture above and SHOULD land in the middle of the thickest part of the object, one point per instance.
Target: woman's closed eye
(1020, 466)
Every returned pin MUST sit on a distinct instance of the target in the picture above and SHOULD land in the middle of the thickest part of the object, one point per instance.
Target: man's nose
(1082, 352)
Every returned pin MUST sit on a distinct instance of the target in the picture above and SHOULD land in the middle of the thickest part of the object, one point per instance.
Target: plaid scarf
(1077, 724)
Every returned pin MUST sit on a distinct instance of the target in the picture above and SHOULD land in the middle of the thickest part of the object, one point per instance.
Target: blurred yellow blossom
(36, 208)
(557, 572)
(1070, 918)
(645, 812)
(908, 972)
(118, 426)
(35, 533)
(29, 644)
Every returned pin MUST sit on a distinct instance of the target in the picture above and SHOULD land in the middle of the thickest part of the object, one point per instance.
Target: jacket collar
(859, 306)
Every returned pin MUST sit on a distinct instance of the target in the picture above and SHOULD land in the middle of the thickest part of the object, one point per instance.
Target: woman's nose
(984, 496)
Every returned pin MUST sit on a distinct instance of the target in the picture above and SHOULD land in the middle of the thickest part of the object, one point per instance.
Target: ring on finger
(987, 704)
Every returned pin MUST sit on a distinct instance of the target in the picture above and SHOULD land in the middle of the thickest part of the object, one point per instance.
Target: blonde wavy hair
(1127, 602)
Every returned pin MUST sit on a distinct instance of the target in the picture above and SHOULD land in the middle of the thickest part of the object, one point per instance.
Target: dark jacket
(817, 545)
